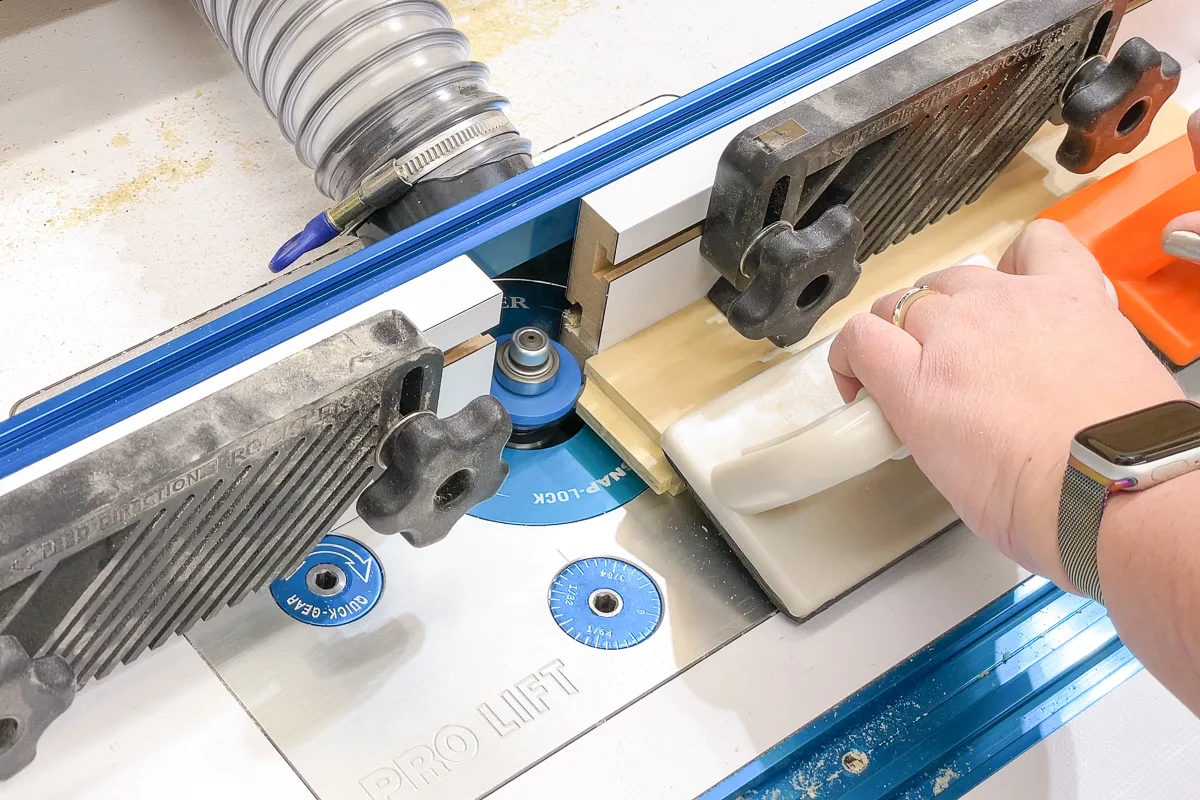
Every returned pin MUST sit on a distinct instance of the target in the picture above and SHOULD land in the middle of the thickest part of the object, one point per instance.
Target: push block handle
(841, 445)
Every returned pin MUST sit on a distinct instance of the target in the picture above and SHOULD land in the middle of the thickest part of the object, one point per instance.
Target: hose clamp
(396, 178)
(433, 153)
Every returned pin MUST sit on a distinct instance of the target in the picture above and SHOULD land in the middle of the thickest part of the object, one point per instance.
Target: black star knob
(1109, 106)
(33, 692)
(796, 276)
(436, 470)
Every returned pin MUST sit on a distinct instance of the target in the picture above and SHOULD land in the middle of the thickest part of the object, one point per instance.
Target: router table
(142, 184)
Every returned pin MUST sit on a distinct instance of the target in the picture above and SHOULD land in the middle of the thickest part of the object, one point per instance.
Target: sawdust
(170, 137)
(944, 779)
(183, 115)
(806, 784)
(496, 26)
(175, 127)
(187, 115)
(810, 791)
(163, 173)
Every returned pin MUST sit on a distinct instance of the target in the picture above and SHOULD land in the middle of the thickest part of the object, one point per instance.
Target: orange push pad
(1121, 220)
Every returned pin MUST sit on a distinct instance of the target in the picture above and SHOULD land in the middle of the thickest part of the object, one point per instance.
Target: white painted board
(654, 291)
(1139, 742)
(466, 379)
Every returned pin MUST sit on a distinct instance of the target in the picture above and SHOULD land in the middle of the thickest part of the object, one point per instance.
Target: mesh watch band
(1079, 513)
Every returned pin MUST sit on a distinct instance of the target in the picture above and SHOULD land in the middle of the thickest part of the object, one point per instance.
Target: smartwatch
(1132, 452)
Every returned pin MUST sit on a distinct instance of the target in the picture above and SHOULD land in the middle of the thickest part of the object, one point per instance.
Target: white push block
(878, 505)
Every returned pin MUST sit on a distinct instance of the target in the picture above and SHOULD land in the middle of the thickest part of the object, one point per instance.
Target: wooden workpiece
(638, 387)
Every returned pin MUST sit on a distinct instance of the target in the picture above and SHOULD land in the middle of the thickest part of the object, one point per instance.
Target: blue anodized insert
(605, 603)
(339, 582)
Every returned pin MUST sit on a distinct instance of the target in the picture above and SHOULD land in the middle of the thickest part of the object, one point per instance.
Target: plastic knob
(798, 275)
(435, 470)
(33, 693)
(1108, 107)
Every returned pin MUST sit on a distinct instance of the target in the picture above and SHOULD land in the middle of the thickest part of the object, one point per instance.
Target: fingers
(958, 278)
(873, 353)
(921, 312)
(1194, 135)
(847, 387)
(924, 311)
(1188, 222)
(1046, 247)
(1182, 238)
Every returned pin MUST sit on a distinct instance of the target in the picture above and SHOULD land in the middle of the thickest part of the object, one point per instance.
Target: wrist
(1040, 491)
(1120, 468)
(1035, 519)
(1130, 514)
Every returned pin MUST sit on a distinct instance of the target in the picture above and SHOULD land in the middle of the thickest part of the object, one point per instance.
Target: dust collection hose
(381, 100)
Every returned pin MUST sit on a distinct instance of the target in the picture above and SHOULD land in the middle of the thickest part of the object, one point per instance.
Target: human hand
(1187, 244)
(990, 379)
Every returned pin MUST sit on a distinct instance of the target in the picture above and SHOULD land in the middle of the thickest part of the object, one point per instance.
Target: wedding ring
(905, 303)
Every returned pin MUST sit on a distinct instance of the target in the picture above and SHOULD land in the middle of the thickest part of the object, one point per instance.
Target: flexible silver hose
(356, 83)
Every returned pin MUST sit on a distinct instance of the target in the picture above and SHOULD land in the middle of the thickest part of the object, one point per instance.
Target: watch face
(1145, 436)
